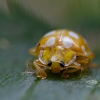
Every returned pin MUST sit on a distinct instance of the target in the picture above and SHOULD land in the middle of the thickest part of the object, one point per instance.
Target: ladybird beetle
(61, 51)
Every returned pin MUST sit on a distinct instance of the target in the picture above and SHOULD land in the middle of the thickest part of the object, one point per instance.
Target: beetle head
(57, 58)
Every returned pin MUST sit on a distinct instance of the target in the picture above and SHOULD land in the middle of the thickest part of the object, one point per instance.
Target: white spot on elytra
(50, 41)
(67, 42)
(49, 33)
(83, 49)
(73, 34)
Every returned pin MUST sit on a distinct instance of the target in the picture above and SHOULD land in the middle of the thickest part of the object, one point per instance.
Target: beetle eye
(62, 64)
(50, 63)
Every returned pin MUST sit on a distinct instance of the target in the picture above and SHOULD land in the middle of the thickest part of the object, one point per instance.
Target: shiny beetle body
(61, 50)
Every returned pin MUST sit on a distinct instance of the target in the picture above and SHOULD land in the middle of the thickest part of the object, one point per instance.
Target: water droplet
(91, 83)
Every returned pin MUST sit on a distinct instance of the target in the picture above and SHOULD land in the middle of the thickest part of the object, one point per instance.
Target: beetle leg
(72, 68)
(65, 74)
(84, 61)
(29, 68)
(41, 73)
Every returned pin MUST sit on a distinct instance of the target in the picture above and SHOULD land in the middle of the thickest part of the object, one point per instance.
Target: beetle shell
(61, 46)
(67, 39)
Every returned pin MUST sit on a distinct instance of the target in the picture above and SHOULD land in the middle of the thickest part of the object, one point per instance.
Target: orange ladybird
(61, 50)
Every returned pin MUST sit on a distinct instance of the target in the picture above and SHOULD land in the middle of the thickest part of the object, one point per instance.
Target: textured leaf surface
(17, 35)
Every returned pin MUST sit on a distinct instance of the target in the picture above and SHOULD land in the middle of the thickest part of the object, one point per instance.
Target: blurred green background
(22, 24)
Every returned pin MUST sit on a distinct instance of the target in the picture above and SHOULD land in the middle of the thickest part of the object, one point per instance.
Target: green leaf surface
(17, 34)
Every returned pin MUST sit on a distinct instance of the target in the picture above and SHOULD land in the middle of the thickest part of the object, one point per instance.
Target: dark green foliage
(18, 33)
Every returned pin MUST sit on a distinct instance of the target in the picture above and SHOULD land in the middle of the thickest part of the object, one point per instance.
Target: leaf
(17, 34)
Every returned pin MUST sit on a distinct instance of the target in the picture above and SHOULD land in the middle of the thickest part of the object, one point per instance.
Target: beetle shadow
(73, 76)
